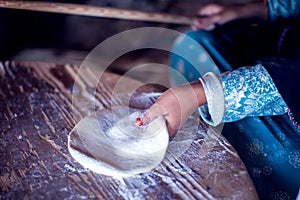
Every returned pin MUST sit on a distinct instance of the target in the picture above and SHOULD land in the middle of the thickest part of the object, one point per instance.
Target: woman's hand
(176, 105)
(213, 14)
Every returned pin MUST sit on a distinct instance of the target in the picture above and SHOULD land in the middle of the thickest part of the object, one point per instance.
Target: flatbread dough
(108, 142)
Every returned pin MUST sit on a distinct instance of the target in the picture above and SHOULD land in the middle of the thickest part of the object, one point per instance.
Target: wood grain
(96, 11)
(36, 117)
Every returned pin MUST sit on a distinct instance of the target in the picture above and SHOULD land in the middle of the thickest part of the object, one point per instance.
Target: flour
(109, 143)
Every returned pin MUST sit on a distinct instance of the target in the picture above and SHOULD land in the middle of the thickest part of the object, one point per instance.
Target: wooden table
(36, 118)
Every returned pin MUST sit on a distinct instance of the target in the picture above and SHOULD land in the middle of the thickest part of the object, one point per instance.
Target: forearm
(188, 97)
(198, 90)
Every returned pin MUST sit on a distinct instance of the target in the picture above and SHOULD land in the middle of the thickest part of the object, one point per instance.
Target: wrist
(199, 91)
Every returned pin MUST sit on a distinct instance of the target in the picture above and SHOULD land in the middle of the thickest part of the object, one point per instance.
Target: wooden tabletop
(37, 114)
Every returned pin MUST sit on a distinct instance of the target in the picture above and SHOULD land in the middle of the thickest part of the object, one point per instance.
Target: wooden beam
(96, 11)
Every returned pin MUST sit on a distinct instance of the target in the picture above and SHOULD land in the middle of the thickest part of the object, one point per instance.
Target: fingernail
(143, 120)
(138, 122)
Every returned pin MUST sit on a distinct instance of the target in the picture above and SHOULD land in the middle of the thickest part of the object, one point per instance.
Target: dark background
(51, 37)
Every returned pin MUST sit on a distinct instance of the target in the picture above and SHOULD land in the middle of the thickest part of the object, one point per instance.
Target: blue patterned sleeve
(283, 8)
(245, 92)
(250, 91)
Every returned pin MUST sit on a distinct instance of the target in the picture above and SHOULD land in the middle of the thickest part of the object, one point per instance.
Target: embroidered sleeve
(245, 92)
(250, 91)
(282, 8)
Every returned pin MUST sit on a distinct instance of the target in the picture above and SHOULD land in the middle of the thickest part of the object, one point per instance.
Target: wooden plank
(96, 11)
(36, 117)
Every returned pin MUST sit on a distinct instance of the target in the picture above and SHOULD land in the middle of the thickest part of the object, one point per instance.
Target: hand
(213, 14)
(176, 105)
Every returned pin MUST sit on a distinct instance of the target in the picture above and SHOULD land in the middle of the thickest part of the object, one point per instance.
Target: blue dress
(257, 101)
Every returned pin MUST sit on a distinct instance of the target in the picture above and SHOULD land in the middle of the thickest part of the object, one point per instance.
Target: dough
(108, 142)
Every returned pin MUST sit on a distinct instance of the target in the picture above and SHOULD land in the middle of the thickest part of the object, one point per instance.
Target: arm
(247, 91)
(220, 14)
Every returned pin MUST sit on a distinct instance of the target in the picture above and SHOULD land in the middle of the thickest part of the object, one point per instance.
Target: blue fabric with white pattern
(250, 91)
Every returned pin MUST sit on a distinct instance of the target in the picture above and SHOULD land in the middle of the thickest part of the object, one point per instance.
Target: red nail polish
(138, 122)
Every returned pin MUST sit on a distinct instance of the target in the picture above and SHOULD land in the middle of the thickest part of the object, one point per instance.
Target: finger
(210, 9)
(154, 111)
(205, 24)
(196, 25)
(194, 28)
